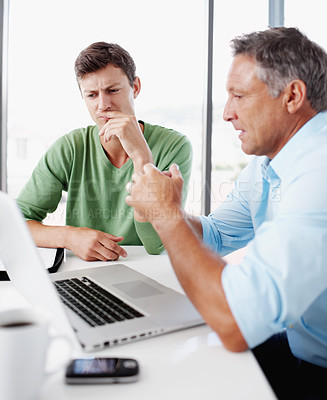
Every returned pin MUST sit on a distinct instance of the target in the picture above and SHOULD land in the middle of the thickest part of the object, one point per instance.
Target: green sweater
(96, 192)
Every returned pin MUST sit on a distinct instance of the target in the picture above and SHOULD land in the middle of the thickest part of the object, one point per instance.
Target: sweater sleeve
(43, 191)
(179, 153)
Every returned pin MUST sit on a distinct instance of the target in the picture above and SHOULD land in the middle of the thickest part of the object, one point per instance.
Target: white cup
(24, 341)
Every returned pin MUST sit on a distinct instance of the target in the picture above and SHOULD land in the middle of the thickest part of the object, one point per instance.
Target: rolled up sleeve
(278, 278)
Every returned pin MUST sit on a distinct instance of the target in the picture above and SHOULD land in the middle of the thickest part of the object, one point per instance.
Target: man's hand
(156, 195)
(127, 129)
(93, 245)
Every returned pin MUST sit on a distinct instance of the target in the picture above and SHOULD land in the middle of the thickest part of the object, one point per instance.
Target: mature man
(275, 300)
(94, 164)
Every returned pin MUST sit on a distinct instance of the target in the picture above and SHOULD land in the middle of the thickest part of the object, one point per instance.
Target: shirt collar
(288, 155)
(268, 172)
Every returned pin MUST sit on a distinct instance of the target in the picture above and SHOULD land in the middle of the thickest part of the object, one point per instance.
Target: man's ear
(295, 94)
(136, 86)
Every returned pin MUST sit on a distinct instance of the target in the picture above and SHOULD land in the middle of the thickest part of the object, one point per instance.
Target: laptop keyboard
(92, 303)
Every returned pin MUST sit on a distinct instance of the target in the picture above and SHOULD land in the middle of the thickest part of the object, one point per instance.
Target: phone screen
(95, 366)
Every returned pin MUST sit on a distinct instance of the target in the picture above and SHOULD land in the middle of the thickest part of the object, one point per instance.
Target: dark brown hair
(100, 54)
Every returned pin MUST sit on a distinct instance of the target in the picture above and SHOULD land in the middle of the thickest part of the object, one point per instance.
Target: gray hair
(285, 54)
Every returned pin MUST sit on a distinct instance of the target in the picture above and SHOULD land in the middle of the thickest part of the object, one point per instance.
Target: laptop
(105, 306)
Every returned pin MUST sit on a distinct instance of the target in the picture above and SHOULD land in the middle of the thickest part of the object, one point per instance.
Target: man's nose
(229, 112)
(104, 102)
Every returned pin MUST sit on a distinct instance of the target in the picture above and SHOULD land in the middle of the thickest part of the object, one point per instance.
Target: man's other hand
(93, 245)
(156, 195)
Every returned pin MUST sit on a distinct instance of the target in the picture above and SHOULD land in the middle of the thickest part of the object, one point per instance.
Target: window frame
(276, 18)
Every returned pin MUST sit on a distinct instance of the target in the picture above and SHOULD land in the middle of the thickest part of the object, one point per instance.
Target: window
(227, 156)
(309, 17)
(165, 38)
(21, 148)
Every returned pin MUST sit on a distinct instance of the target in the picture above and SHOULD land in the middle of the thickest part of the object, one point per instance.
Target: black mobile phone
(102, 370)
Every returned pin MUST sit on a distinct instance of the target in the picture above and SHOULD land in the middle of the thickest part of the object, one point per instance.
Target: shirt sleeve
(230, 226)
(149, 237)
(284, 269)
(43, 191)
(179, 153)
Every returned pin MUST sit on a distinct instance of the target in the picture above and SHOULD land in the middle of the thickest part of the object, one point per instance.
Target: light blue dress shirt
(279, 209)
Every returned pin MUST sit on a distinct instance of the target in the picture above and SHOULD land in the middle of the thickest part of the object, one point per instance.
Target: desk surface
(190, 364)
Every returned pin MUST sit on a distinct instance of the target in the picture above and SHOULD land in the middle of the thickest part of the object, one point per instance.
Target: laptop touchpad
(137, 289)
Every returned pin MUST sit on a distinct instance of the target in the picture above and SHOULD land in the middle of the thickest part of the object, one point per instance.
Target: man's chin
(100, 123)
(246, 149)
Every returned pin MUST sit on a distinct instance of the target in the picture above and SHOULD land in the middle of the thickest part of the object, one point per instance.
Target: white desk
(189, 364)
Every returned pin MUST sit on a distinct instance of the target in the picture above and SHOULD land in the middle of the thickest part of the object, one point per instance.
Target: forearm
(199, 272)
(86, 243)
(48, 236)
(198, 269)
(152, 242)
(195, 224)
(141, 159)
